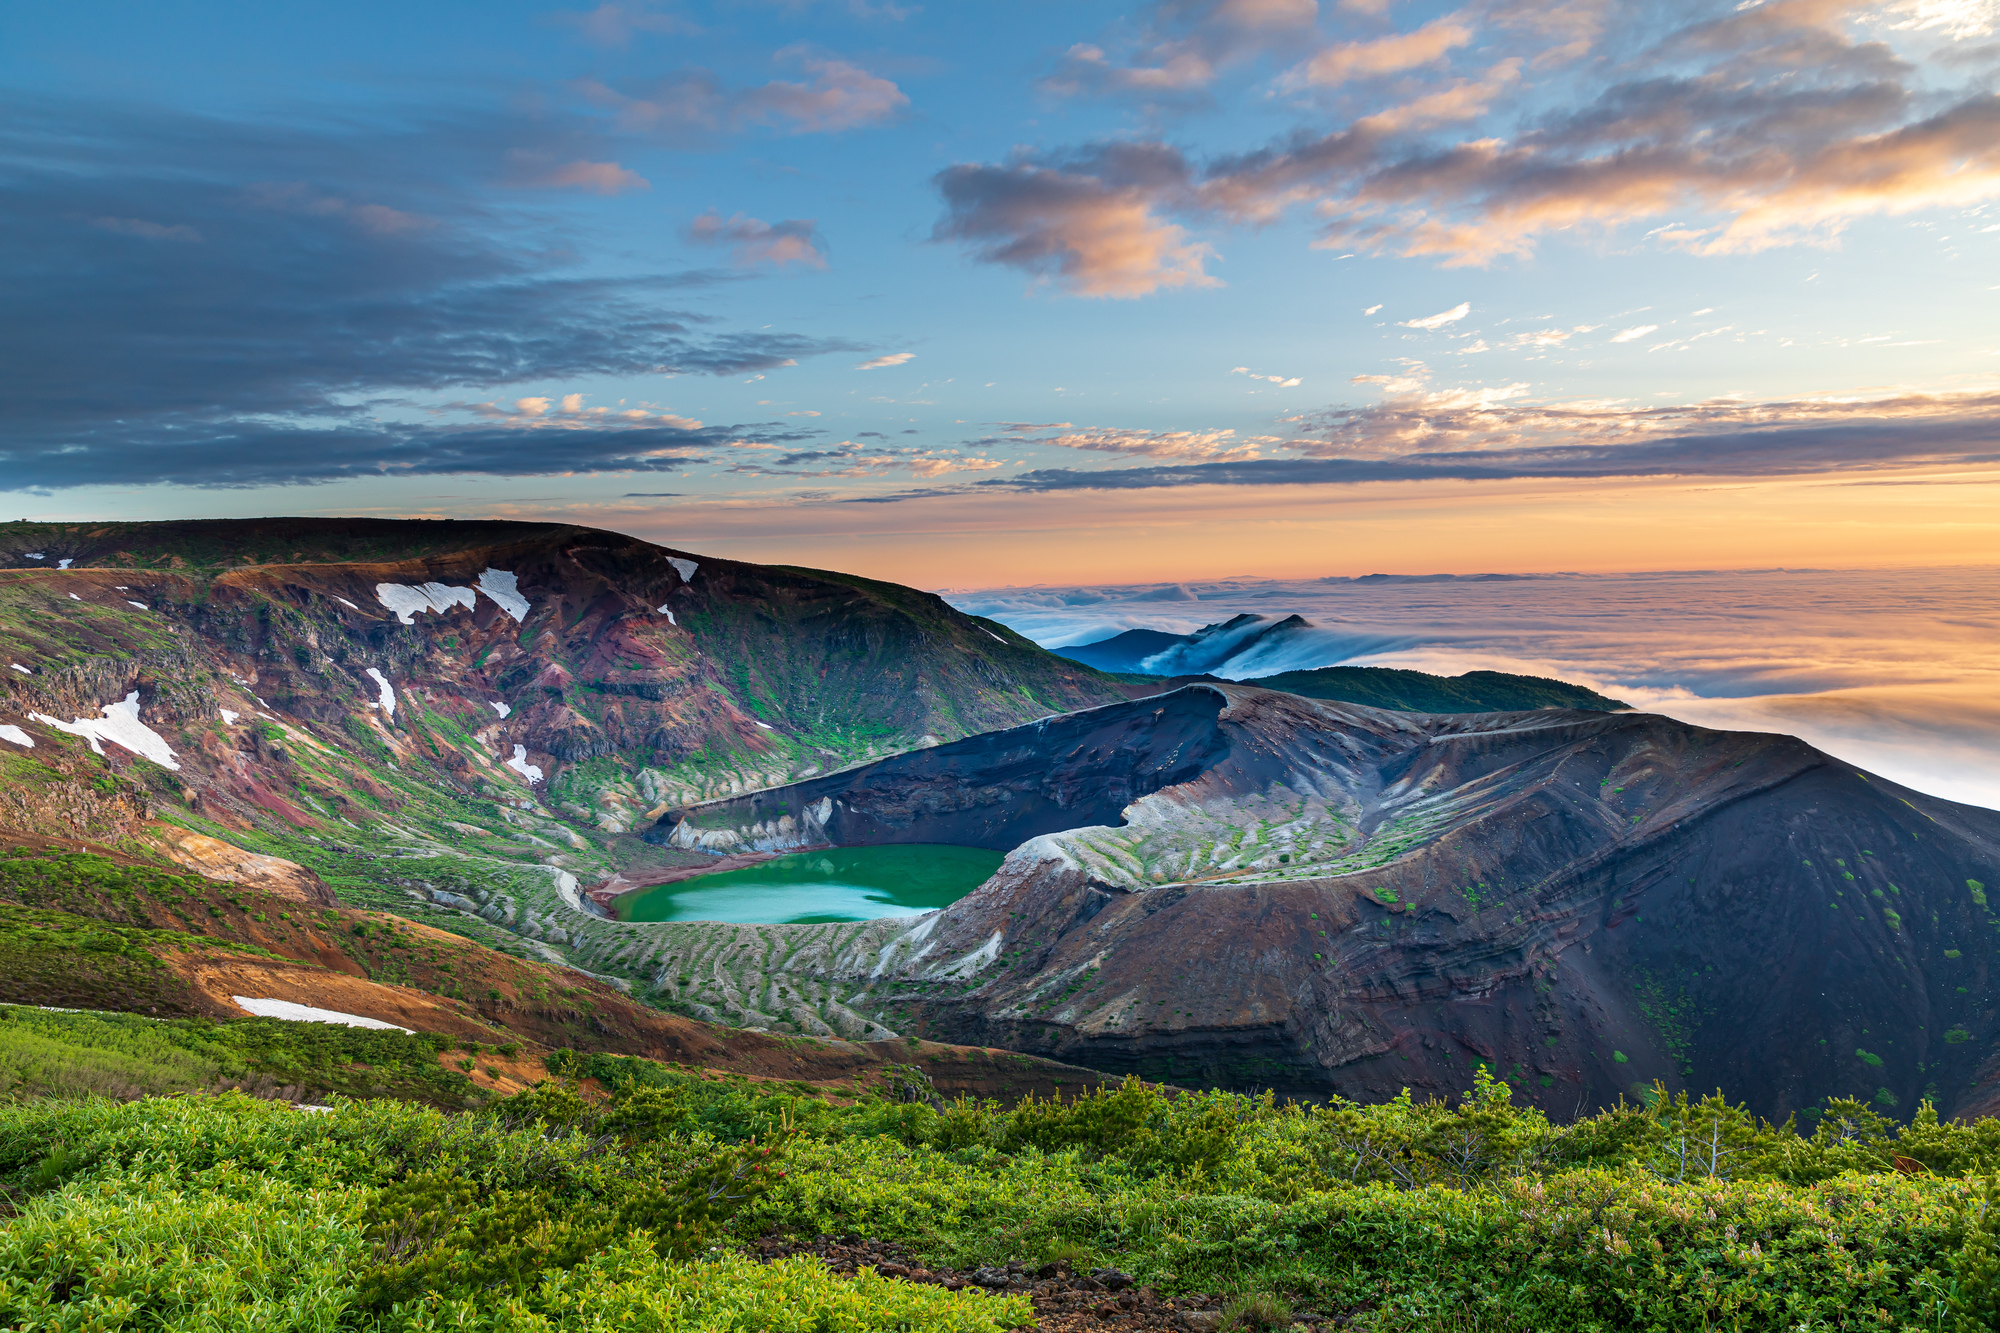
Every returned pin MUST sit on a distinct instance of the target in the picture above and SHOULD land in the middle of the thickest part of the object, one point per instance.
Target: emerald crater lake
(834, 884)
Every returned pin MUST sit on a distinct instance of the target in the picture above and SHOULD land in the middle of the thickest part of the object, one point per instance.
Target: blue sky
(990, 293)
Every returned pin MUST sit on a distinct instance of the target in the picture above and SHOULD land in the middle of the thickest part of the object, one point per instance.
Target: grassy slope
(98, 932)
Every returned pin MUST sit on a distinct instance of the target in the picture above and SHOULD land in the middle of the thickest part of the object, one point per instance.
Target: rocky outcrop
(218, 860)
(1323, 897)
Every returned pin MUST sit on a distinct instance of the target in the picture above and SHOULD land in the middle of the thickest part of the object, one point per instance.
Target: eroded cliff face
(1323, 897)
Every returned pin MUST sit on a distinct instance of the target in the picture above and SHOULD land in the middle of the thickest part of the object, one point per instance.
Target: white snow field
(121, 726)
(388, 701)
(10, 732)
(501, 586)
(519, 763)
(408, 602)
(498, 707)
(229, 716)
(686, 568)
(305, 1013)
(669, 615)
(18, 667)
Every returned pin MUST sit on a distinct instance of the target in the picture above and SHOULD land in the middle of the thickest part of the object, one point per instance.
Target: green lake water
(837, 884)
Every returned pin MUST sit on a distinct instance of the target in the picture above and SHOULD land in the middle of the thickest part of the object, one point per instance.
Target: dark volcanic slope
(1339, 898)
(1122, 652)
(1421, 692)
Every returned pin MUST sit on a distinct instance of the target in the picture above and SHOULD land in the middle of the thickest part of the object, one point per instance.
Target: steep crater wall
(995, 791)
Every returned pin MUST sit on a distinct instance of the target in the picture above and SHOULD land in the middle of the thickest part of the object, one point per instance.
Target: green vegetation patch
(58, 1054)
(549, 1211)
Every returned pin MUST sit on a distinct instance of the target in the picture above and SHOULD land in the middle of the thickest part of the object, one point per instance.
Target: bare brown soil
(1064, 1299)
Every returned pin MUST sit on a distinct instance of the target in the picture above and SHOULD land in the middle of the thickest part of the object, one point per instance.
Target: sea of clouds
(1897, 671)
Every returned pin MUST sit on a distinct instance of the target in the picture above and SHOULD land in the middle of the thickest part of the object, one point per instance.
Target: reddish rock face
(1327, 898)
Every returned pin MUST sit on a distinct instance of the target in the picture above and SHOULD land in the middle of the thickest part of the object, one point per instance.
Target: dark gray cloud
(239, 453)
(209, 302)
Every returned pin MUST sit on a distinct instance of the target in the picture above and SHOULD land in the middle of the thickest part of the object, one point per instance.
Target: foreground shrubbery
(550, 1211)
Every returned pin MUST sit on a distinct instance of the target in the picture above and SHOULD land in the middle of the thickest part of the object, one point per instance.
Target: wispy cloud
(1339, 63)
(755, 241)
(1442, 318)
(1221, 445)
(885, 361)
(1281, 381)
(537, 171)
(1180, 48)
(836, 95)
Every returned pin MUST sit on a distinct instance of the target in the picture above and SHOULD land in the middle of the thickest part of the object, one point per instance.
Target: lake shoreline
(608, 894)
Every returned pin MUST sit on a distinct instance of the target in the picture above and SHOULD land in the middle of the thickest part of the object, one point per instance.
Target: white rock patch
(685, 568)
(10, 732)
(407, 602)
(498, 707)
(305, 1013)
(502, 587)
(121, 726)
(387, 703)
(519, 763)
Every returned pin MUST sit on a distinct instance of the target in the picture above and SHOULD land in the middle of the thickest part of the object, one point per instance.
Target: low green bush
(553, 1210)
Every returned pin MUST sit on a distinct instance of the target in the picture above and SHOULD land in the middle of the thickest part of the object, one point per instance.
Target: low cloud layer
(1891, 670)
(1480, 435)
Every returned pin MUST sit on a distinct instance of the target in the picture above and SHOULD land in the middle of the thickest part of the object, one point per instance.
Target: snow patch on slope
(505, 590)
(408, 602)
(10, 732)
(64, 564)
(121, 726)
(519, 763)
(388, 701)
(18, 667)
(498, 707)
(669, 615)
(305, 1013)
(685, 568)
(229, 716)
